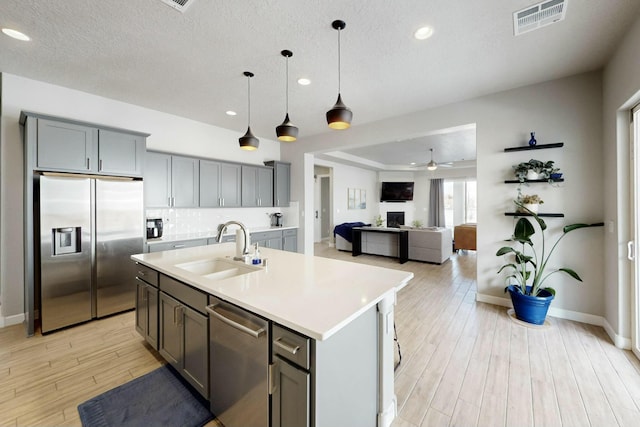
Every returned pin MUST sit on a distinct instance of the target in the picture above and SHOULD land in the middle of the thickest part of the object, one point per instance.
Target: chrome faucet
(247, 243)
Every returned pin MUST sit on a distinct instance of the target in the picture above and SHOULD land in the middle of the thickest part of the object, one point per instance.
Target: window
(460, 201)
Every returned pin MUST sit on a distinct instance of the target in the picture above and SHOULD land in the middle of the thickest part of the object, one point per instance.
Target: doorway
(322, 204)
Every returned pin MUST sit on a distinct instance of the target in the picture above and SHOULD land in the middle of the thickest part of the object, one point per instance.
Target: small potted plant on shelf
(527, 269)
(529, 203)
(378, 221)
(416, 223)
(534, 170)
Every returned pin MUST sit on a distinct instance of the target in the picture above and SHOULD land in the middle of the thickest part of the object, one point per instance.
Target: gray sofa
(431, 244)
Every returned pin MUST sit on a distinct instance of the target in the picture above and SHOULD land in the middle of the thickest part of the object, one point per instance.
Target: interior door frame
(634, 134)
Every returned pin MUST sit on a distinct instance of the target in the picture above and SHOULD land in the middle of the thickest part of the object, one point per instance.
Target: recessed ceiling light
(423, 33)
(231, 113)
(16, 34)
(304, 82)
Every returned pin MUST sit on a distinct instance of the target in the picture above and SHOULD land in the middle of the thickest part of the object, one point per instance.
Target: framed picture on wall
(356, 198)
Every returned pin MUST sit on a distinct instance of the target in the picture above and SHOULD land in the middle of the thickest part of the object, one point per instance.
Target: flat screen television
(396, 192)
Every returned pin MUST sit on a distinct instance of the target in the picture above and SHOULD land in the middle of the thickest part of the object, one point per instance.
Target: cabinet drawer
(179, 244)
(266, 235)
(290, 232)
(291, 346)
(184, 293)
(225, 238)
(147, 274)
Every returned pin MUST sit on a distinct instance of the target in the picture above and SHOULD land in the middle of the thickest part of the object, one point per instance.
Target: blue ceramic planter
(528, 308)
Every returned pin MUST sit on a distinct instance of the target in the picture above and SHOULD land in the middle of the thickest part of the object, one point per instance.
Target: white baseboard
(618, 341)
(556, 312)
(11, 320)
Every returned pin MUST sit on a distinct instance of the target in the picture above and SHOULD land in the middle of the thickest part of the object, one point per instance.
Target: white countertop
(312, 295)
(209, 234)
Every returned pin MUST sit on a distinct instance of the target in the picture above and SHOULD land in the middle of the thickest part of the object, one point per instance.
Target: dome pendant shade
(287, 132)
(339, 117)
(432, 165)
(249, 142)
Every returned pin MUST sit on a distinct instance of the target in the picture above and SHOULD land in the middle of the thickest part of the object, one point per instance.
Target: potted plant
(528, 269)
(416, 223)
(535, 169)
(378, 221)
(529, 203)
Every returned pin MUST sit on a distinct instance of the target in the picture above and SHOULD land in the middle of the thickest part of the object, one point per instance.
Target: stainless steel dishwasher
(239, 365)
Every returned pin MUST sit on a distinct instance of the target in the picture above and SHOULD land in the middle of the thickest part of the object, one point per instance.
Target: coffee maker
(154, 228)
(276, 219)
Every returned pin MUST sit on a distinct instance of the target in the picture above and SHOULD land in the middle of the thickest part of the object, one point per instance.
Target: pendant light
(248, 141)
(339, 117)
(432, 165)
(287, 131)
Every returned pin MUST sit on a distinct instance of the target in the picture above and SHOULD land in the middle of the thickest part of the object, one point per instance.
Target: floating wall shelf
(535, 147)
(515, 181)
(547, 215)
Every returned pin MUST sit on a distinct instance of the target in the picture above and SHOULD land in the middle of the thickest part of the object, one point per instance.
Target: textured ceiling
(146, 53)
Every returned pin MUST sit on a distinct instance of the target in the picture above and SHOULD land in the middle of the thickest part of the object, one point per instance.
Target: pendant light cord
(339, 55)
(287, 85)
(249, 100)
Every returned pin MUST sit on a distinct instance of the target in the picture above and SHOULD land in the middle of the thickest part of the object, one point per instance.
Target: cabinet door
(282, 178)
(170, 331)
(185, 178)
(141, 307)
(210, 196)
(230, 179)
(120, 153)
(249, 186)
(291, 243)
(157, 180)
(195, 362)
(66, 147)
(152, 316)
(290, 399)
(275, 243)
(265, 187)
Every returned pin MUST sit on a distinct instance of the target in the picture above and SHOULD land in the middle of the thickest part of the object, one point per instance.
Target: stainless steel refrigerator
(88, 229)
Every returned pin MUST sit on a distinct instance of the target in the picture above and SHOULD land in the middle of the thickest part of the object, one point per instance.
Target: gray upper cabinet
(77, 147)
(66, 147)
(257, 186)
(220, 184)
(120, 153)
(281, 183)
(171, 181)
(185, 178)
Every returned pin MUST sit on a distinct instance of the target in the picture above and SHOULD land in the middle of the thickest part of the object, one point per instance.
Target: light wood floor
(463, 363)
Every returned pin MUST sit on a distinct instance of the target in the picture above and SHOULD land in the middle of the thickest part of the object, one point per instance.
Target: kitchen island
(329, 330)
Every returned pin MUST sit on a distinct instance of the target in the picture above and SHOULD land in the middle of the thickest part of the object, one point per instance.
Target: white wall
(168, 133)
(621, 83)
(567, 110)
(343, 178)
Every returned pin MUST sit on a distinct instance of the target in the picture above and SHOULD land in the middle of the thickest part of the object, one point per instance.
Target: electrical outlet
(610, 226)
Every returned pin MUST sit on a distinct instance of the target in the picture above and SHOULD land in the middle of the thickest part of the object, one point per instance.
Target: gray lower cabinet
(177, 244)
(290, 240)
(281, 183)
(220, 184)
(147, 304)
(184, 333)
(290, 400)
(67, 146)
(268, 239)
(257, 186)
(171, 181)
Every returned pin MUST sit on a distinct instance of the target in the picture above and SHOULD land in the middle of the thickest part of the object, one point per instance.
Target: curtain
(436, 203)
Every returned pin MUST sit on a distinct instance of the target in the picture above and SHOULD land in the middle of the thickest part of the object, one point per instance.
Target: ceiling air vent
(179, 5)
(538, 16)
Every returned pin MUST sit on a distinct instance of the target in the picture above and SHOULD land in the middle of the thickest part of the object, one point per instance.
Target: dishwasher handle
(256, 333)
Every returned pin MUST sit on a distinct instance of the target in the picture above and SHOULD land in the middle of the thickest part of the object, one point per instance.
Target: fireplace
(395, 219)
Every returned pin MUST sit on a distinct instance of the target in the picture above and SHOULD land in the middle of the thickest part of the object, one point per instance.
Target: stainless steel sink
(217, 268)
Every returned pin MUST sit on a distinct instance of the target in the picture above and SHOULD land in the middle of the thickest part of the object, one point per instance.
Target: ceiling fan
(432, 165)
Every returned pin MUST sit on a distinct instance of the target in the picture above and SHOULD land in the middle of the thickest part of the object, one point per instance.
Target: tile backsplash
(201, 220)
